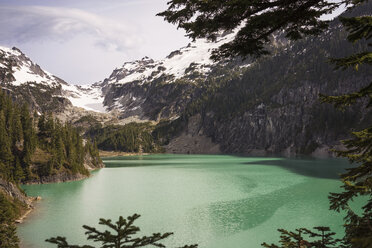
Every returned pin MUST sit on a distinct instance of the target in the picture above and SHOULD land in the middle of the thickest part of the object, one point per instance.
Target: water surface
(212, 200)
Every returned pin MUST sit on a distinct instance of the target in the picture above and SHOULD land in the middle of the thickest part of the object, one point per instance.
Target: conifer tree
(255, 21)
(8, 235)
(357, 181)
(6, 156)
(18, 173)
(321, 237)
(29, 136)
(17, 133)
(119, 235)
(41, 127)
(59, 150)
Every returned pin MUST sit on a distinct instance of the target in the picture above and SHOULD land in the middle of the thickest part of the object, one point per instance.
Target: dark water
(213, 200)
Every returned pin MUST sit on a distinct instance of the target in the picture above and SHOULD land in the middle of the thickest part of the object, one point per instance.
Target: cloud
(21, 24)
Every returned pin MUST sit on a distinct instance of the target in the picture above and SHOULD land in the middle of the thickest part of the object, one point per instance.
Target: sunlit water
(214, 201)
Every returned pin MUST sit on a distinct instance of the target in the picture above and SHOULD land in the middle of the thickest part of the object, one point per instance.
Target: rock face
(193, 140)
(59, 178)
(13, 191)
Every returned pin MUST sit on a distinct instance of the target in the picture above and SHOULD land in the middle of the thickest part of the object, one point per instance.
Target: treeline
(132, 137)
(35, 146)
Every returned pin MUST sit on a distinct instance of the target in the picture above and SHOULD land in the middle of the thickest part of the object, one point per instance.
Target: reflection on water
(215, 201)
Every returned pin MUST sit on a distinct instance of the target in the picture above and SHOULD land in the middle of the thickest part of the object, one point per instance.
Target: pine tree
(321, 237)
(6, 156)
(41, 127)
(18, 173)
(255, 21)
(17, 133)
(59, 151)
(29, 136)
(357, 181)
(8, 235)
(119, 235)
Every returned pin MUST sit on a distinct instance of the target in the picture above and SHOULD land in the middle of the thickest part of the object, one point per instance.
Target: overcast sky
(83, 41)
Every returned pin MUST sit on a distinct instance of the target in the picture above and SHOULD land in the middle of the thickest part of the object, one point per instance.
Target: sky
(82, 41)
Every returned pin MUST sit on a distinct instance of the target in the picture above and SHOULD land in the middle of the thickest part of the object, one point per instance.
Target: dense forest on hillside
(37, 146)
(32, 148)
(132, 137)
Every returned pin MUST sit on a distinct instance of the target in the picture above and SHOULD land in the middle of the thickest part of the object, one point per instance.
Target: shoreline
(104, 154)
(30, 208)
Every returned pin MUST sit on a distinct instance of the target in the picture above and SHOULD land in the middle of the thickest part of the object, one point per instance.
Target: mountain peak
(195, 57)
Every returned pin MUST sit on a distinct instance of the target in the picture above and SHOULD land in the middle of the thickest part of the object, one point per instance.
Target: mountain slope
(153, 90)
(42, 90)
(260, 106)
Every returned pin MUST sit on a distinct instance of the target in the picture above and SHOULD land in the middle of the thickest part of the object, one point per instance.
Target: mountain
(154, 90)
(196, 105)
(43, 91)
(257, 106)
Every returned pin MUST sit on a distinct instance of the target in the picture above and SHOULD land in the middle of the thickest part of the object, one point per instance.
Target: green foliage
(8, 212)
(119, 235)
(86, 122)
(255, 21)
(321, 237)
(357, 181)
(32, 147)
(165, 129)
(132, 137)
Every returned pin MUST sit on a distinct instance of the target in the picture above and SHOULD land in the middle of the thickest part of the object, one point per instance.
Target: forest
(37, 146)
(132, 137)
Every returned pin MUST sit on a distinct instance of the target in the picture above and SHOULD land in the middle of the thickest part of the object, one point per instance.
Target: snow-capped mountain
(152, 90)
(43, 90)
(19, 69)
(145, 78)
(178, 64)
(144, 89)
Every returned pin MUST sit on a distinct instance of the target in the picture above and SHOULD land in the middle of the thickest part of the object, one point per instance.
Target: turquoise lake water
(212, 200)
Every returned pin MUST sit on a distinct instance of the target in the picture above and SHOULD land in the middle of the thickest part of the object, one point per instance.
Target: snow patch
(196, 54)
(87, 97)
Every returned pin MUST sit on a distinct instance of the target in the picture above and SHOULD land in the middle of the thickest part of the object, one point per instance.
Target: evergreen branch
(122, 238)
(353, 61)
(62, 243)
(358, 27)
(348, 99)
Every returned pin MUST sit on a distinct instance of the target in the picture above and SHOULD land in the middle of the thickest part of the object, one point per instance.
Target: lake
(212, 200)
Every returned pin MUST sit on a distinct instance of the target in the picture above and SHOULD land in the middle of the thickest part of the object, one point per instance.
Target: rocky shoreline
(103, 154)
(29, 210)
(60, 178)
(27, 202)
